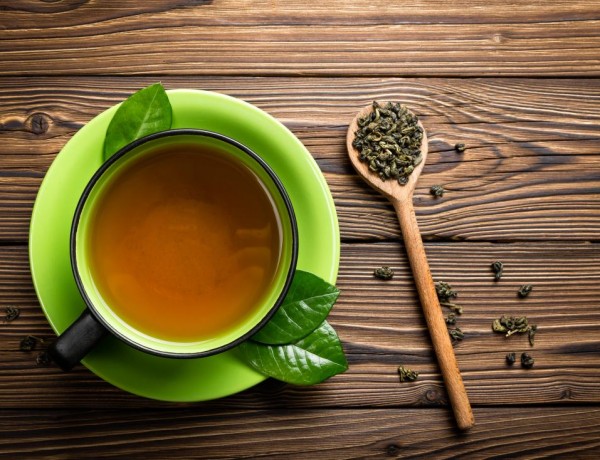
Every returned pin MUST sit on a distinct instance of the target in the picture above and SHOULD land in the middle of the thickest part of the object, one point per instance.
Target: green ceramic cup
(99, 320)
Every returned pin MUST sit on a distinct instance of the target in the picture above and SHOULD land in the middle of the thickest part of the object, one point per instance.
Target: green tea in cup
(184, 243)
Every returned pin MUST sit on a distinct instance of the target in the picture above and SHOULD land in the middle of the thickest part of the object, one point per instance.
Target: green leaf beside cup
(146, 111)
(307, 361)
(297, 345)
(306, 305)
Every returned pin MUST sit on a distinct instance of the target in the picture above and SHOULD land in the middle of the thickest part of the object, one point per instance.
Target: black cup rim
(122, 152)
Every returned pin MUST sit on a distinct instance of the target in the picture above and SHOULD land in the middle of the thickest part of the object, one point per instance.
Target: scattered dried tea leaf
(437, 190)
(532, 334)
(407, 375)
(525, 290)
(11, 313)
(444, 291)
(511, 358)
(451, 318)
(452, 306)
(460, 147)
(513, 325)
(384, 273)
(497, 268)
(456, 334)
(43, 359)
(28, 343)
(527, 361)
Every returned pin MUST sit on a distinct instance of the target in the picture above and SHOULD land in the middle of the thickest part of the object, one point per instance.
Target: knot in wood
(39, 123)
(566, 394)
(392, 450)
(432, 395)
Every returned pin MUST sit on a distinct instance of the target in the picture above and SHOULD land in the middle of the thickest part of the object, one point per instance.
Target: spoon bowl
(401, 198)
(390, 188)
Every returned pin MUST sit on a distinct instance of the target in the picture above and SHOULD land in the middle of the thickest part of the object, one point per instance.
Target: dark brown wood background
(517, 81)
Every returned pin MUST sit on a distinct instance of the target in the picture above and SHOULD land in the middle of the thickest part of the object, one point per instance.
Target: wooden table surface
(517, 82)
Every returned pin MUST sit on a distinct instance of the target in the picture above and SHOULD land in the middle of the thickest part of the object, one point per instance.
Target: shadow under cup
(102, 315)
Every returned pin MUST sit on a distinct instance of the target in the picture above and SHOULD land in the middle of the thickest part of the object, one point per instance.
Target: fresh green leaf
(304, 308)
(310, 360)
(144, 112)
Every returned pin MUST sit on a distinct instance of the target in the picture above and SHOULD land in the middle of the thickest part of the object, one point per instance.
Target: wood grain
(332, 434)
(242, 37)
(31, 14)
(532, 148)
(382, 327)
(526, 192)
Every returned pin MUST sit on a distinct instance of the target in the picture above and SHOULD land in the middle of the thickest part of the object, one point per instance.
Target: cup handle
(77, 341)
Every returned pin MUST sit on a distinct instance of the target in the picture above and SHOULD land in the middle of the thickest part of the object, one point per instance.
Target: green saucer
(132, 370)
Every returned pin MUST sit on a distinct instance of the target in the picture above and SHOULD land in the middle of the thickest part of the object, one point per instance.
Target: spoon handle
(433, 314)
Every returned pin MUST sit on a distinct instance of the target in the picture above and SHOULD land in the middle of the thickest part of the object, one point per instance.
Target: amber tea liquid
(184, 242)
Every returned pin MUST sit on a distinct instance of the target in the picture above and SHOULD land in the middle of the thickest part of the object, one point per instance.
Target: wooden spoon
(401, 198)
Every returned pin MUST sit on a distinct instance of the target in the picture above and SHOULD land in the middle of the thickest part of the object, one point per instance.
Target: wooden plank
(333, 434)
(243, 37)
(382, 327)
(30, 14)
(531, 170)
